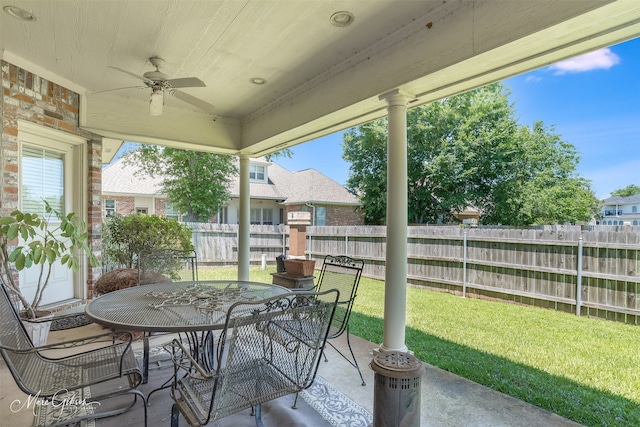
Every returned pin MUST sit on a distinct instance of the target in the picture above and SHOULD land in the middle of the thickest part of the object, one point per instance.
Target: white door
(46, 174)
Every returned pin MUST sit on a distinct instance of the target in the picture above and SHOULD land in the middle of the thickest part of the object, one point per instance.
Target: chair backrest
(341, 273)
(177, 265)
(270, 348)
(13, 335)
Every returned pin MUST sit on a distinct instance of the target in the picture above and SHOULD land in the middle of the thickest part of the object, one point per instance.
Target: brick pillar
(298, 222)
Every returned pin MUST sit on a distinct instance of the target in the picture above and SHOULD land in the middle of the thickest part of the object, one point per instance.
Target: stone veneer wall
(26, 96)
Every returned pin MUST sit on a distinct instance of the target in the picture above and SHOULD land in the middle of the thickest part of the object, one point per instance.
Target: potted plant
(39, 243)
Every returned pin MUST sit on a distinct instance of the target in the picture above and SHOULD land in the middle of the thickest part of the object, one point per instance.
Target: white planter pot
(38, 331)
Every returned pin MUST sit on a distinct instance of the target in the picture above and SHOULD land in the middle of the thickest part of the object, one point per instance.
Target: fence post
(464, 264)
(346, 241)
(579, 279)
(284, 240)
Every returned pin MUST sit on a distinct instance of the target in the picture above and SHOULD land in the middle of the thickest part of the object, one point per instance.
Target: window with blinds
(109, 208)
(42, 179)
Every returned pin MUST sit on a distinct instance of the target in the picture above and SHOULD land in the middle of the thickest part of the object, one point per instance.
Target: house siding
(28, 97)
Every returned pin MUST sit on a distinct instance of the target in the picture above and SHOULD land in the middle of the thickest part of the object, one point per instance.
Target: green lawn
(587, 370)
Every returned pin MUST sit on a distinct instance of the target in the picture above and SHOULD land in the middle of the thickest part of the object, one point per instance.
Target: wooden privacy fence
(592, 271)
(217, 244)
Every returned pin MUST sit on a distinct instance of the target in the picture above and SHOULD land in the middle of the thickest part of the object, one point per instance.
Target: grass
(584, 369)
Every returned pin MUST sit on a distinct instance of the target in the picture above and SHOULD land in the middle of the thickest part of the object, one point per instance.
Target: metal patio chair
(342, 273)
(75, 379)
(173, 264)
(267, 349)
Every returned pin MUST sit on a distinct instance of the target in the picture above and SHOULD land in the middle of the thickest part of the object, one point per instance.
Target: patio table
(195, 308)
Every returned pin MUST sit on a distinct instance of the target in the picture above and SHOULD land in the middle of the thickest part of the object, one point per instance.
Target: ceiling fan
(160, 82)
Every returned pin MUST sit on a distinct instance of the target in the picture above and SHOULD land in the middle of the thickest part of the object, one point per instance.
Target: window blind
(42, 179)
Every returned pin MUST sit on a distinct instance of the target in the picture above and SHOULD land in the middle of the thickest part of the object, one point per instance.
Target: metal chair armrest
(78, 342)
(178, 361)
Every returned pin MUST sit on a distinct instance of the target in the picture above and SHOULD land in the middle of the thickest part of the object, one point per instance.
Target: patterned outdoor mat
(47, 413)
(335, 407)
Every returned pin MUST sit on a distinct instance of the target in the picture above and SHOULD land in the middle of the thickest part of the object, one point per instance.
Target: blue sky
(593, 101)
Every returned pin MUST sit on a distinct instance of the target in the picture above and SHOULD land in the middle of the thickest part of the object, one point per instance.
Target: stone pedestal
(293, 282)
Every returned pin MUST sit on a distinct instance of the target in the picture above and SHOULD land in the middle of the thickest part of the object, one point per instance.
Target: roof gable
(119, 178)
(305, 186)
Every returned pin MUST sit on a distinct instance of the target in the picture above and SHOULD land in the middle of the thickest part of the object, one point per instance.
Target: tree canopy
(469, 151)
(629, 190)
(195, 182)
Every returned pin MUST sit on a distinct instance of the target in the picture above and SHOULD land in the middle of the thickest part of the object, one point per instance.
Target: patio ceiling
(320, 78)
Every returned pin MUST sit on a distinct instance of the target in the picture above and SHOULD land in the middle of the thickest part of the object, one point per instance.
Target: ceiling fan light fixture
(156, 101)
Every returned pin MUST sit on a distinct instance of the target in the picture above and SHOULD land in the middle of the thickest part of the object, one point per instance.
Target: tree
(468, 150)
(629, 190)
(196, 183)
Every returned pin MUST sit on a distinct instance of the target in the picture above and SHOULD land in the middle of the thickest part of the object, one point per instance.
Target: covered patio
(248, 78)
(447, 399)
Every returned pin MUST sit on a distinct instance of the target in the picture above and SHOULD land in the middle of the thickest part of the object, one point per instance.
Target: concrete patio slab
(447, 400)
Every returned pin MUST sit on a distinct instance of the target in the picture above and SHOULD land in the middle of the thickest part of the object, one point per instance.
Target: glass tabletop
(176, 306)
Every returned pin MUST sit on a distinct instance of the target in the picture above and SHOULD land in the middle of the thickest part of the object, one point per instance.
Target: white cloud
(600, 59)
(532, 79)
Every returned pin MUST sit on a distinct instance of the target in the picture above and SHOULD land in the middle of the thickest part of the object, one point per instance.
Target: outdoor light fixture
(19, 13)
(156, 101)
(257, 80)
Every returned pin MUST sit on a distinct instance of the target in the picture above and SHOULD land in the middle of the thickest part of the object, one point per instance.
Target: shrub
(124, 237)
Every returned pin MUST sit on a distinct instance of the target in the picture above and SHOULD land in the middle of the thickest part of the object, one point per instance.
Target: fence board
(536, 266)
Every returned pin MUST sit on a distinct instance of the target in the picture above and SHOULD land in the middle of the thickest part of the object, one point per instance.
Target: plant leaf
(12, 233)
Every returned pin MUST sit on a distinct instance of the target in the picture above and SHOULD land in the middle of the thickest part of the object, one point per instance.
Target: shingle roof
(119, 178)
(304, 186)
(618, 200)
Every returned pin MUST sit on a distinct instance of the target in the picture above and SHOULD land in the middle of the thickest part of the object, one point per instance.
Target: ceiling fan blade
(196, 102)
(128, 72)
(120, 88)
(185, 82)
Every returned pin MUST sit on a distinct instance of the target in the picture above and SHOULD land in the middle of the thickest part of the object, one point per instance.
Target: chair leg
(258, 415)
(145, 357)
(295, 402)
(175, 415)
(353, 360)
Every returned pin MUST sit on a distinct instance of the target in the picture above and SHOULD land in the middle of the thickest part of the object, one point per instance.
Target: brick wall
(344, 215)
(335, 214)
(160, 206)
(28, 97)
(125, 205)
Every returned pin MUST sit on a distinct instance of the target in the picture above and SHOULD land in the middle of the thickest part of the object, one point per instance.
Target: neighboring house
(621, 210)
(274, 191)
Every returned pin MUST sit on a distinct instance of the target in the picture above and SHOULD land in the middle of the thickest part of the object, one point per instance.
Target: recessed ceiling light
(19, 13)
(342, 19)
(257, 80)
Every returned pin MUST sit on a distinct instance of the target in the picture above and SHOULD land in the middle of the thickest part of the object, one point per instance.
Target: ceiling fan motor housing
(155, 76)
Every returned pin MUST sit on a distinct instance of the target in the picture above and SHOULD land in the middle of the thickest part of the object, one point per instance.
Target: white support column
(244, 220)
(395, 295)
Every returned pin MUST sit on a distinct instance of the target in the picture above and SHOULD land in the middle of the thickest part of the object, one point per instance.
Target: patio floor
(446, 399)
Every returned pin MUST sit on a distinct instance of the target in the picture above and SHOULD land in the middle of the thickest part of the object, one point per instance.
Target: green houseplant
(40, 243)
